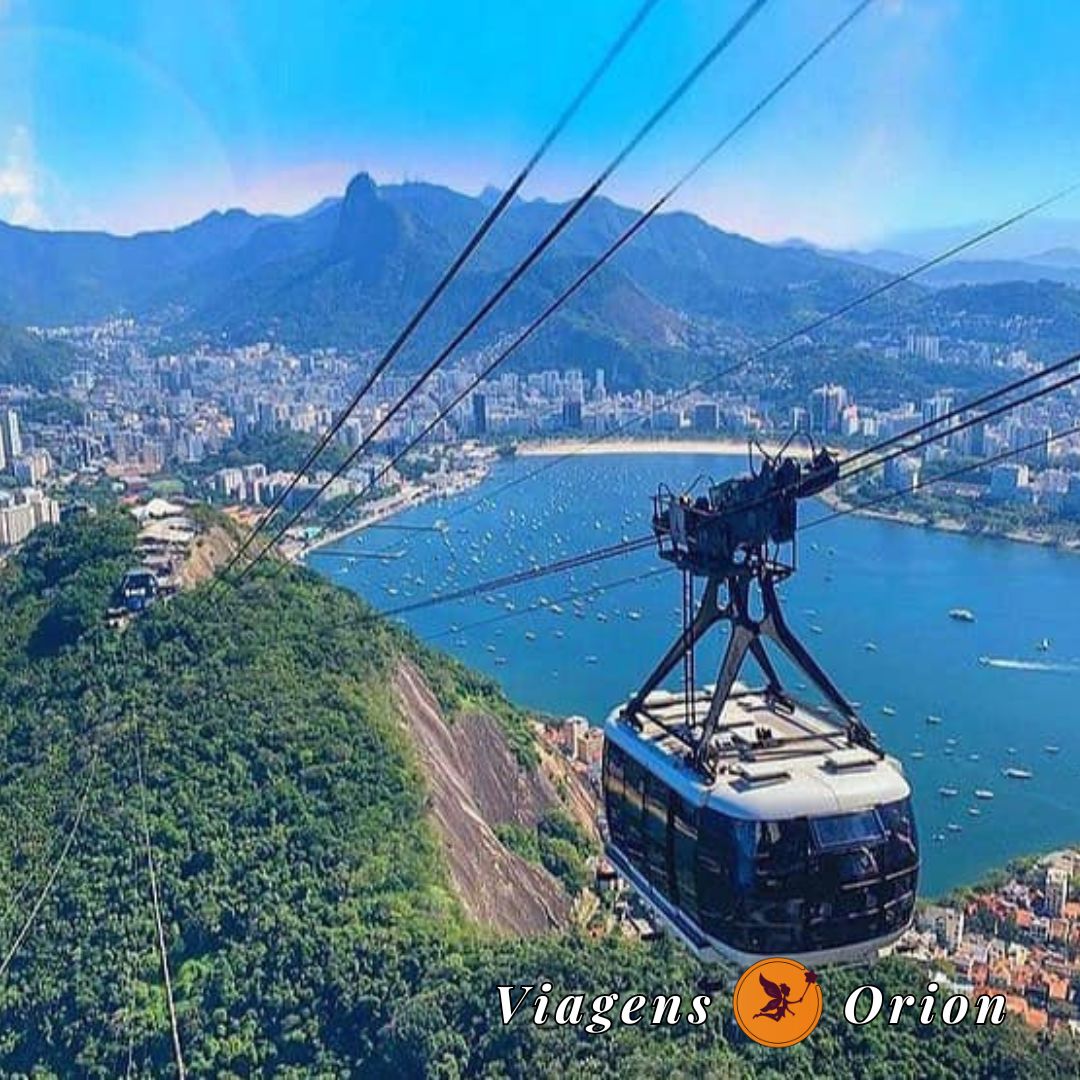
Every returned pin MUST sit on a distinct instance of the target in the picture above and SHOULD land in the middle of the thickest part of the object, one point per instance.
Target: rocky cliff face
(477, 784)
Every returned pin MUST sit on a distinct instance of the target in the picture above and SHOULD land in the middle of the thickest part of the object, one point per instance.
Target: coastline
(416, 494)
(726, 447)
(837, 502)
(411, 495)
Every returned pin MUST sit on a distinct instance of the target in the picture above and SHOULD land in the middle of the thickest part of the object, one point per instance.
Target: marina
(925, 666)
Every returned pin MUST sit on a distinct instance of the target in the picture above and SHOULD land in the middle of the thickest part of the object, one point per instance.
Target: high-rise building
(827, 404)
(706, 416)
(934, 408)
(947, 924)
(1009, 482)
(599, 385)
(10, 438)
(924, 346)
(479, 413)
(902, 473)
(1035, 440)
(571, 414)
(1057, 890)
(976, 440)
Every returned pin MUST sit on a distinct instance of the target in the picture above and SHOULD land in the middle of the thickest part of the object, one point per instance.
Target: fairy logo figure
(779, 1004)
(776, 977)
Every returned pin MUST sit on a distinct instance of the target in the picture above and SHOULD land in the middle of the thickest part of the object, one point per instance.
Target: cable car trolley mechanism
(752, 823)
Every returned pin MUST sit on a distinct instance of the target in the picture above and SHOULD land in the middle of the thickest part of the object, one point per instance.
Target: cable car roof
(805, 768)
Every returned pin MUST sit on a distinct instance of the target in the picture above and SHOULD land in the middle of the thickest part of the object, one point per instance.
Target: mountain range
(349, 271)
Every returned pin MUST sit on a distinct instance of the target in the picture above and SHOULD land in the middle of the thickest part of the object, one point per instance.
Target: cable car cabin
(802, 845)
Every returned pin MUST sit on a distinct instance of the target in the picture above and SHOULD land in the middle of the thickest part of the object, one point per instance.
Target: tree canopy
(310, 926)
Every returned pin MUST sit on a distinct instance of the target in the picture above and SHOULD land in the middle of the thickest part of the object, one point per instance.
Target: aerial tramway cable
(952, 474)
(564, 219)
(843, 511)
(624, 238)
(450, 273)
(589, 557)
(46, 888)
(178, 1054)
(787, 339)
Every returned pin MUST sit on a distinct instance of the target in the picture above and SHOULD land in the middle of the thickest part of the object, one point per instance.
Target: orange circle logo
(777, 1002)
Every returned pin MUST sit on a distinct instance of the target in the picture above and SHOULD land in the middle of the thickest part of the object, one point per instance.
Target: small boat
(870, 647)
(1052, 749)
(555, 609)
(953, 827)
(591, 659)
(1017, 774)
(973, 757)
(887, 710)
(974, 811)
(633, 616)
(948, 792)
(1044, 645)
(917, 755)
(932, 719)
(499, 661)
(816, 629)
(961, 614)
(983, 793)
(490, 648)
(950, 742)
(560, 633)
(529, 635)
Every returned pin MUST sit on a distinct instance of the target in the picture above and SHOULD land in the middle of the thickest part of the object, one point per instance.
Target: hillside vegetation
(311, 925)
(26, 360)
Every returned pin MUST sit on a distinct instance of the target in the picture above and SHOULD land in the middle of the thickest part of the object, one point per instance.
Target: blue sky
(142, 114)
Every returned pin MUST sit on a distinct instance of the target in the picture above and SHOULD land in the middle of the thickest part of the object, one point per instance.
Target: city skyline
(923, 115)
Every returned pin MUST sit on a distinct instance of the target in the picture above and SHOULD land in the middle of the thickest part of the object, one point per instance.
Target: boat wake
(1029, 665)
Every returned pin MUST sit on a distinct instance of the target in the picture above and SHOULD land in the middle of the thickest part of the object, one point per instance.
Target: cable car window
(633, 804)
(684, 839)
(655, 834)
(782, 854)
(847, 830)
(902, 846)
(613, 791)
(715, 868)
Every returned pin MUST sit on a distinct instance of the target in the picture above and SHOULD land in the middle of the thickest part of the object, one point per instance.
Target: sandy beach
(411, 495)
(723, 447)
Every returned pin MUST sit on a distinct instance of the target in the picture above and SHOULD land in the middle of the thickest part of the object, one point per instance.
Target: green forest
(310, 927)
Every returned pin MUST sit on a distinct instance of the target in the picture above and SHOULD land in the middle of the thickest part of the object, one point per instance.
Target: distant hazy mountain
(1025, 240)
(348, 272)
(1058, 264)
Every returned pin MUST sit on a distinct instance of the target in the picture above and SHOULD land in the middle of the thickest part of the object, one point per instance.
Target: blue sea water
(859, 581)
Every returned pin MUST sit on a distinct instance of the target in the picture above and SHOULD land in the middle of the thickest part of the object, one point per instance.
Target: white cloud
(20, 180)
